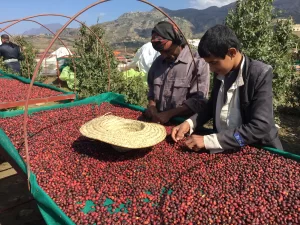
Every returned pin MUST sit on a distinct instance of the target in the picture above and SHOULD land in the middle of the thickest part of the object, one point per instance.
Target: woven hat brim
(124, 133)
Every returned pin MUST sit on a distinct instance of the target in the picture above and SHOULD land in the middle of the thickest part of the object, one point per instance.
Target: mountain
(289, 8)
(202, 19)
(134, 29)
(206, 18)
(37, 31)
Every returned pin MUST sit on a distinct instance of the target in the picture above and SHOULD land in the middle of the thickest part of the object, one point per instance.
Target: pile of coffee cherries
(94, 184)
(13, 90)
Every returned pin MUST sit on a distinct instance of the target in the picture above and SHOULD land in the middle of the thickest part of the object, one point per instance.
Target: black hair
(216, 42)
(4, 37)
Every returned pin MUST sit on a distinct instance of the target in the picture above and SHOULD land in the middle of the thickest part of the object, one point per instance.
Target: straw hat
(124, 134)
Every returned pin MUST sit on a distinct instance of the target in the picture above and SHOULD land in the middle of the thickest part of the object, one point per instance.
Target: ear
(232, 52)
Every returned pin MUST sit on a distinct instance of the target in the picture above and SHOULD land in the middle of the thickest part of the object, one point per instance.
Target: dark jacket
(256, 102)
(10, 51)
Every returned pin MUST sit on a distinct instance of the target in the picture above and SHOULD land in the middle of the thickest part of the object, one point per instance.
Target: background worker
(11, 54)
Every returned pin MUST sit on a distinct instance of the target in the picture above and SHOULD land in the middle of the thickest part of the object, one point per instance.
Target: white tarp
(60, 52)
(144, 58)
(51, 60)
(50, 63)
(194, 42)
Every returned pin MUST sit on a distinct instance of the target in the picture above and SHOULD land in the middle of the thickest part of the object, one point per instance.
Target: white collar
(239, 80)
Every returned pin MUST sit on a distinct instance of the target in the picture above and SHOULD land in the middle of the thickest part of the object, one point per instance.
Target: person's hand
(162, 117)
(179, 131)
(150, 111)
(195, 143)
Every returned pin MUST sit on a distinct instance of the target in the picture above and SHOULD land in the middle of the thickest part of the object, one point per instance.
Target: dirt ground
(18, 208)
(290, 133)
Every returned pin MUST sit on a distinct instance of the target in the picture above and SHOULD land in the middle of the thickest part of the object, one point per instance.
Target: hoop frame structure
(71, 19)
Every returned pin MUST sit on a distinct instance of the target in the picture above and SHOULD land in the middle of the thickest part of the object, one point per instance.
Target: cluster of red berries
(14, 90)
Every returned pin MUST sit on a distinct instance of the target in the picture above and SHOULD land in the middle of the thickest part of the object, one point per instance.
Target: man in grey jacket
(175, 82)
(241, 100)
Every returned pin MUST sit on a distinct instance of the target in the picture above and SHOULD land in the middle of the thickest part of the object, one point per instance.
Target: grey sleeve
(150, 84)
(205, 113)
(202, 79)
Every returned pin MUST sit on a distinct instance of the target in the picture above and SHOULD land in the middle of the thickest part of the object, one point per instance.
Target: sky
(107, 11)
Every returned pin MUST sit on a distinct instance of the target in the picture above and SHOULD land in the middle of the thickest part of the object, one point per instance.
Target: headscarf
(163, 32)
